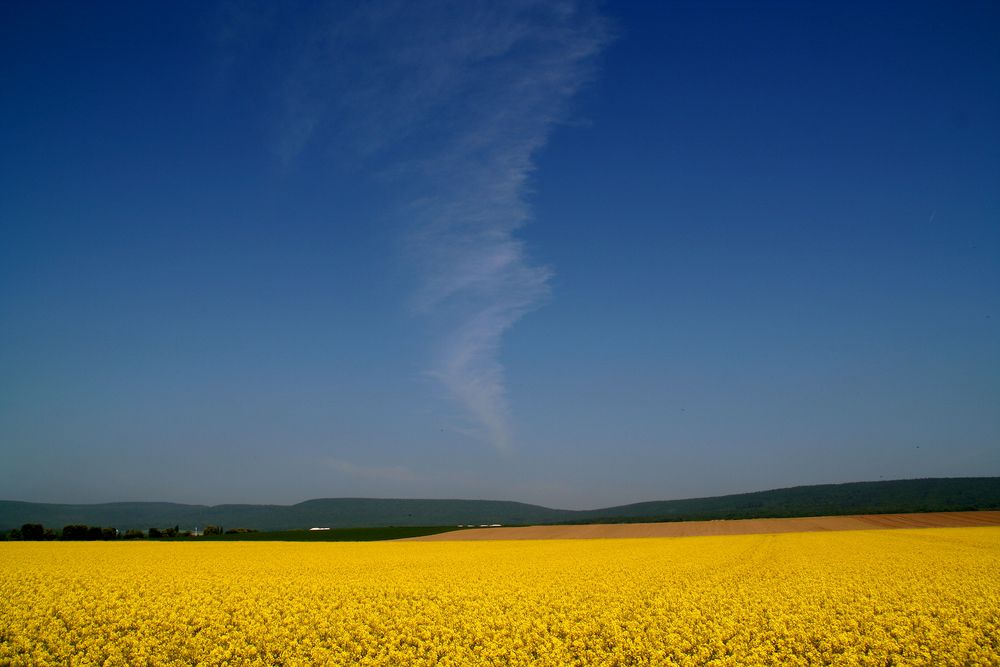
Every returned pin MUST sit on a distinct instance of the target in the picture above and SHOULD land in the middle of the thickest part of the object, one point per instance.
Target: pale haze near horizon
(563, 253)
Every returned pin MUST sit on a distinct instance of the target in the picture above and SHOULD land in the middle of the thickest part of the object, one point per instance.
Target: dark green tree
(33, 531)
(74, 531)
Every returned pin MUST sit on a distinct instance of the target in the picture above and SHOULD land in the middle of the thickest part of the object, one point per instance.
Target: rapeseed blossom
(913, 597)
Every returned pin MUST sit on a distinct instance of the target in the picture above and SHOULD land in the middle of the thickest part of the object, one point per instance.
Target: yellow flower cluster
(902, 597)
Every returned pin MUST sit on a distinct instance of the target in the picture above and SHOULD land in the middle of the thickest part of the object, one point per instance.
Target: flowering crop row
(921, 597)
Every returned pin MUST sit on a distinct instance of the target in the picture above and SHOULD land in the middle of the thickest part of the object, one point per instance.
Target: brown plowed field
(723, 527)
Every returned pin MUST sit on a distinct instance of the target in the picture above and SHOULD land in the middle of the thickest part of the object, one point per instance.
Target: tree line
(36, 532)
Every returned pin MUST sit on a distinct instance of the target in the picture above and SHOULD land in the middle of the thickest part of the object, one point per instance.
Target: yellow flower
(916, 597)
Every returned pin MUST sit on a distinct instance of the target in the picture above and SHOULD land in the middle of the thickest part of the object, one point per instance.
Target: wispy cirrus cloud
(452, 101)
(475, 272)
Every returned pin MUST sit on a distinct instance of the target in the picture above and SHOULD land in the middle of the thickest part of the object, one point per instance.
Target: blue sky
(563, 253)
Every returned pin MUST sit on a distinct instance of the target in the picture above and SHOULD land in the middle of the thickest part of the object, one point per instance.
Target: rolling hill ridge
(897, 496)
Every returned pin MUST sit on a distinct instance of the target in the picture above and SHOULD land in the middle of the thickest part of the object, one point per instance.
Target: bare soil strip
(724, 527)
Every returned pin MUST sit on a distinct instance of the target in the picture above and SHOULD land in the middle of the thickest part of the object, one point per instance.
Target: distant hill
(888, 497)
(899, 496)
(328, 512)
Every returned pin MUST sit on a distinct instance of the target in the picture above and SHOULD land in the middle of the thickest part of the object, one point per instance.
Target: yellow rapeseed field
(903, 597)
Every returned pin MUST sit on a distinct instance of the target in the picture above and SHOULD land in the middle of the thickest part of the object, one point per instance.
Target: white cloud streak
(520, 70)
(453, 100)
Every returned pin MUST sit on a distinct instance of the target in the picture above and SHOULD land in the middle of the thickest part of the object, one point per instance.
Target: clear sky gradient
(567, 253)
